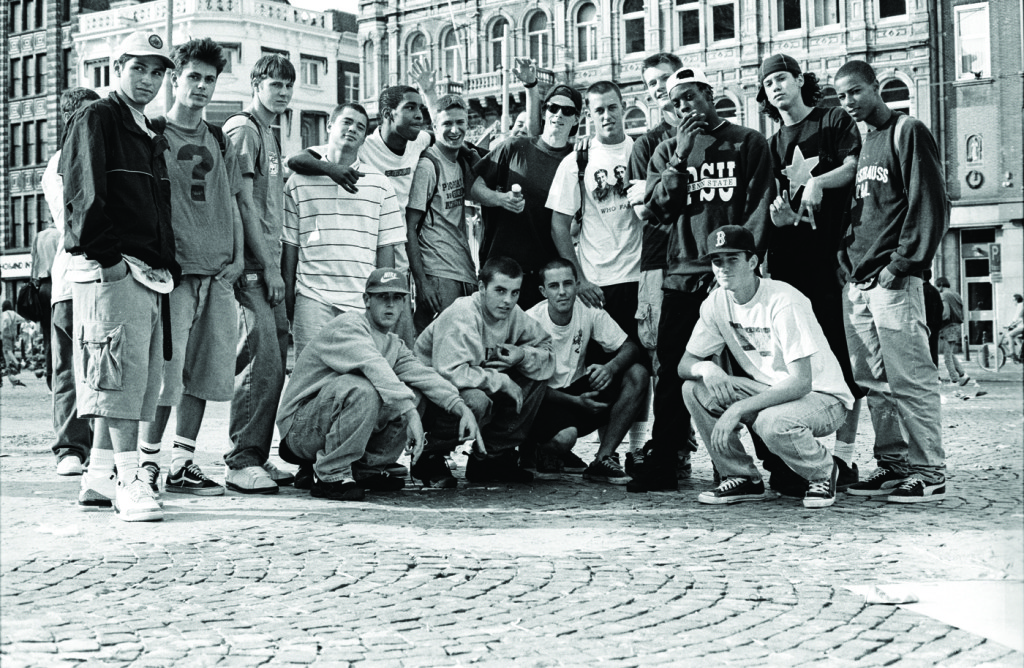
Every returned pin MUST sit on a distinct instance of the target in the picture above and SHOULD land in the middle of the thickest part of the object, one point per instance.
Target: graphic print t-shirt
(203, 189)
(610, 236)
(569, 342)
(814, 146)
(443, 239)
(767, 334)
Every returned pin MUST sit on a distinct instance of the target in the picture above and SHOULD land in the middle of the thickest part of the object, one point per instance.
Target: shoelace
(822, 487)
(909, 483)
(195, 471)
(150, 474)
(731, 483)
(879, 473)
(612, 463)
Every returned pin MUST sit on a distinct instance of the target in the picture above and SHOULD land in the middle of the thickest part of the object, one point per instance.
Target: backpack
(466, 159)
(159, 124)
(249, 118)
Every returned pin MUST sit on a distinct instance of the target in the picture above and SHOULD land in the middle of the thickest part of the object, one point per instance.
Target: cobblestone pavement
(557, 573)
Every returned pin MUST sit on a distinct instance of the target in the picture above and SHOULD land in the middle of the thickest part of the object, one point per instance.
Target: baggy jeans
(347, 430)
(788, 430)
(259, 373)
(74, 434)
(888, 341)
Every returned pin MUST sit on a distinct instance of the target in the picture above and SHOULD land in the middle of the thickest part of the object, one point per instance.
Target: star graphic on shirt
(799, 171)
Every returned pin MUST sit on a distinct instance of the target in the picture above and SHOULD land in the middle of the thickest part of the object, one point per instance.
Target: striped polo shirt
(338, 234)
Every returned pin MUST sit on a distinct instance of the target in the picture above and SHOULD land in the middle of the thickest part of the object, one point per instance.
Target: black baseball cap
(561, 90)
(729, 239)
(778, 62)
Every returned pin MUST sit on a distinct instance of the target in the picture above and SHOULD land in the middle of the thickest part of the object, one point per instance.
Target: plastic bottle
(517, 191)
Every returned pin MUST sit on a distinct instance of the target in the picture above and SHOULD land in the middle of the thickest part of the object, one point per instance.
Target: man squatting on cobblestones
(483, 369)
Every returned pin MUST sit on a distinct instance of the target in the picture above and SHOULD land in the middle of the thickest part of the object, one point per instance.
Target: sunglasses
(565, 110)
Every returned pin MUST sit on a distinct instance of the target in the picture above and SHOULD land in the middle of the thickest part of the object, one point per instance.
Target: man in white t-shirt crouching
(791, 389)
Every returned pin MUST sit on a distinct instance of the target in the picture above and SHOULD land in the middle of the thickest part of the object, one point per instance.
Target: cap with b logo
(729, 239)
(142, 43)
(387, 280)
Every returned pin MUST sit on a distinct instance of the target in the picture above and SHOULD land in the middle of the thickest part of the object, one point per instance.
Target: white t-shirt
(338, 234)
(611, 234)
(398, 168)
(53, 190)
(569, 342)
(767, 334)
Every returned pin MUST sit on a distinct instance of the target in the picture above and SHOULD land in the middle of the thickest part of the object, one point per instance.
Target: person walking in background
(951, 332)
(932, 314)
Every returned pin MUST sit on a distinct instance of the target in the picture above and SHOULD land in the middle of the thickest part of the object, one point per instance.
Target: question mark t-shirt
(203, 187)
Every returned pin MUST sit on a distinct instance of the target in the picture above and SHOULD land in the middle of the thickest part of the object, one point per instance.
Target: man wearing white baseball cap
(712, 173)
(118, 230)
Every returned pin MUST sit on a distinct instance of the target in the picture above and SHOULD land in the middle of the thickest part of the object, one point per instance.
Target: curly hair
(810, 93)
(203, 50)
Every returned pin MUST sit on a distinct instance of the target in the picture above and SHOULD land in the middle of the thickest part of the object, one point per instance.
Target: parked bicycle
(993, 356)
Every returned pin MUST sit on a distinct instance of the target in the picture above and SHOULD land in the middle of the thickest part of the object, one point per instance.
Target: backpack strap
(252, 119)
(218, 134)
(582, 149)
(158, 124)
(433, 191)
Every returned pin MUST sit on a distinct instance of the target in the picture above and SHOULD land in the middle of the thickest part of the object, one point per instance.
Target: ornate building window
(829, 98)
(723, 21)
(418, 49)
(896, 94)
(586, 33)
(826, 13)
(888, 9)
(633, 26)
(726, 108)
(497, 38)
(635, 121)
(452, 56)
(540, 39)
(687, 23)
(789, 15)
(972, 41)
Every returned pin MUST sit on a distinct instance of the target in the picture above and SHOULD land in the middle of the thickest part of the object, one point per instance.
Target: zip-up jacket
(117, 195)
(899, 213)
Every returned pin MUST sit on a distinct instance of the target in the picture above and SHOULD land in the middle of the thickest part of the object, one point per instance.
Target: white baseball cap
(686, 75)
(142, 43)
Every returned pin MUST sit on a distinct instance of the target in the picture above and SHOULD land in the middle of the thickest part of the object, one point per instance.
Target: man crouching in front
(791, 389)
(349, 408)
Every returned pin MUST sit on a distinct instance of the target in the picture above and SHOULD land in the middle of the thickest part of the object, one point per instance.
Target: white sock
(844, 451)
(101, 463)
(127, 466)
(182, 453)
(637, 436)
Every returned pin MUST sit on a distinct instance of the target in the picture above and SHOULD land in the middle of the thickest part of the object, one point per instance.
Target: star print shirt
(800, 255)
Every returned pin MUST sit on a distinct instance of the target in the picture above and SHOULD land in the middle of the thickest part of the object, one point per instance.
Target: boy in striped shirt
(333, 238)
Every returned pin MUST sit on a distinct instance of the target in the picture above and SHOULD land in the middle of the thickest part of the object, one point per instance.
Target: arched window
(633, 25)
(896, 94)
(452, 56)
(538, 36)
(498, 30)
(829, 98)
(369, 76)
(586, 33)
(635, 121)
(418, 49)
(726, 108)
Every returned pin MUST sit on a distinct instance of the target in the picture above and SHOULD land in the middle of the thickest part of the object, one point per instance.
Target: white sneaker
(277, 475)
(250, 480)
(134, 502)
(97, 490)
(70, 465)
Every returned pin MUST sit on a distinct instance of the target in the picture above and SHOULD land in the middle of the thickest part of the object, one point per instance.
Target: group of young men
(608, 268)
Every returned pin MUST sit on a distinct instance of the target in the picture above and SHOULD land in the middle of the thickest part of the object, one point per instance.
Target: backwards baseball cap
(685, 75)
(778, 62)
(387, 280)
(142, 43)
(729, 239)
(571, 95)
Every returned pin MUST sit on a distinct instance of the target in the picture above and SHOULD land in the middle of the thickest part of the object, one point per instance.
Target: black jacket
(117, 194)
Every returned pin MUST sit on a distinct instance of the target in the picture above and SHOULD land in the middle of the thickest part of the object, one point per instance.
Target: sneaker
(250, 480)
(397, 470)
(282, 478)
(190, 479)
(150, 474)
(433, 471)
(381, 482)
(649, 477)
(550, 465)
(134, 502)
(607, 470)
(822, 493)
(573, 464)
(634, 461)
(70, 465)
(915, 490)
(504, 468)
(97, 491)
(684, 469)
(735, 490)
(303, 477)
(881, 482)
(964, 379)
(341, 490)
(848, 474)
